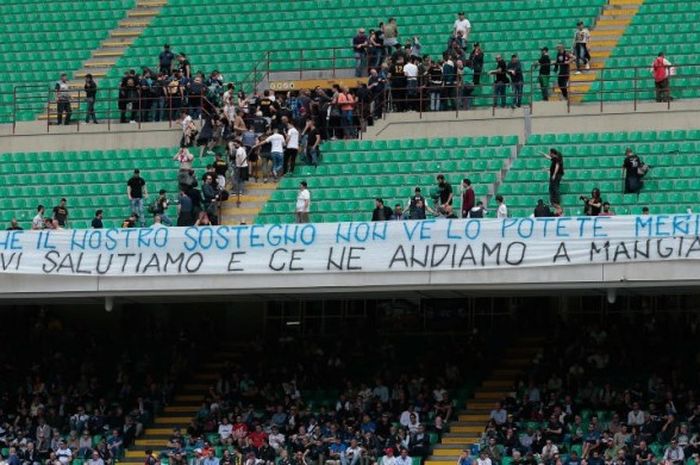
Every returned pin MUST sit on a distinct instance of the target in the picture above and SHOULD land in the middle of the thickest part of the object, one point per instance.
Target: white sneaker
(588, 66)
(577, 72)
(132, 122)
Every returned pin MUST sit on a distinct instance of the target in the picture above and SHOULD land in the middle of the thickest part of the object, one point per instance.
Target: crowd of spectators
(74, 393)
(587, 399)
(316, 402)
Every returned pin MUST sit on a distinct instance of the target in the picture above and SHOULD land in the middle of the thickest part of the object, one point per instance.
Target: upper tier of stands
(48, 39)
(595, 160)
(313, 25)
(354, 173)
(659, 25)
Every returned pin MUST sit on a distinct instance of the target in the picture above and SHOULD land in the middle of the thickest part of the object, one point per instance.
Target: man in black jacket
(381, 212)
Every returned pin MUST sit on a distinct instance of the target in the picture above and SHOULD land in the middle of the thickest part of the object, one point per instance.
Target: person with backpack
(160, 208)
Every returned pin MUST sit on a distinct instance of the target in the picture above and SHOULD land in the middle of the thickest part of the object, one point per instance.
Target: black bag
(224, 195)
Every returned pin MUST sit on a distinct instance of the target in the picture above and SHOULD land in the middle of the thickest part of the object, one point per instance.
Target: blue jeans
(137, 208)
(312, 156)
(346, 123)
(360, 64)
(165, 219)
(277, 163)
(158, 107)
(499, 90)
(517, 93)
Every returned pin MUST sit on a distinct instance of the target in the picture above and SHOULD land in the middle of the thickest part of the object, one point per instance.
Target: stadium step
(609, 28)
(471, 423)
(257, 194)
(102, 59)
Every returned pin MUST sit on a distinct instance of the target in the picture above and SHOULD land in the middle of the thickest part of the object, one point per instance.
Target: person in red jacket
(661, 68)
(467, 197)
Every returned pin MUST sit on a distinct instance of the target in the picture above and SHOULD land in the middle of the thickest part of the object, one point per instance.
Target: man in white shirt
(410, 70)
(462, 24)
(276, 141)
(403, 458)
(292, 150)
(483, 459)
(351, 455)
(38, 221)
(225, 429)
(301, 210)
(636, 416)
(63, 453)
(674, 454)
(502, 211)
(549, 451)
(276, 439)
(240, 166)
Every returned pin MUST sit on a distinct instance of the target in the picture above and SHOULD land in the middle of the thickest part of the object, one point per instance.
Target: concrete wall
(549, 117)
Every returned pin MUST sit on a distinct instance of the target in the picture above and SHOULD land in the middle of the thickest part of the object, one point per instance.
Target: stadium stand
(595, 160)
(89, 180)
(354, 173)
(659, 25)
(42, 49)
(430, 21)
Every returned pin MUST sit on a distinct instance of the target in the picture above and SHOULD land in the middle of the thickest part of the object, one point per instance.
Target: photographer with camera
(592, 205)
(633, 169)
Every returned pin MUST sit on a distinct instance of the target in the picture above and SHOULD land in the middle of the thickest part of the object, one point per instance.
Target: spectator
(360, 45)
(500, 82)
(237, 153)
(38, 222)
(581, 38)
(462, 25)
(388, 458)
(391, 33)
(203, 219)
(465, 457)
(381, 213)
(189, 129)
(292, 143)
(645, 211)
(313, 142)
(556, 172)
(476, 58)
(444, 193)
(468, 197)
(499, 414)
(211, 197)
(633, 170)
(301, 209)
(662, 70)
(136, 192)
(502, 211)
(545, 68)
(184, 67)
(352, 454)
(542, 210)
(515, 70)
(412, 96)
(165, 59)
(225, 429)
(478, 211)
(592, 204)
(465, 79)
(398, 84)
(97, 220)
(128, 97)
(403, 458)
(14, 226)
(346, 103)
(449, 80)
(549, 453)
(435, 85)
(483, 459)
(636, 416)
(644, 455)
(398, 214)
(276, 141)
(185, 158)
(563, 66)
(63, 107)
(220, 169)
(185, 210)
(60, 213)
(90, 97)
(417, 207)
(161, 208)
(130, 221)
(63, 453)
(674, 454)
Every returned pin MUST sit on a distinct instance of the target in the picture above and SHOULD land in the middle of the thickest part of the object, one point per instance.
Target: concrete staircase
(471, 422)
(105, 57)
(179, 414)
(609, 27)
(244, 209)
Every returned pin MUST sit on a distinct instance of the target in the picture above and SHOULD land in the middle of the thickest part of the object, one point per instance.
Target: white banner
(352, 247)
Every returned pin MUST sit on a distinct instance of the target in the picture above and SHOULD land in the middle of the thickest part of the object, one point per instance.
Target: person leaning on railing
(662, 70)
